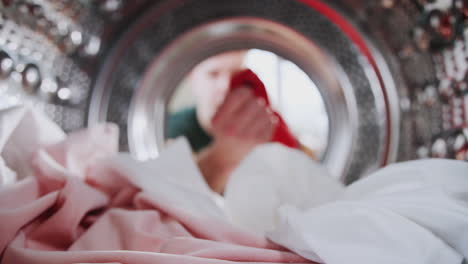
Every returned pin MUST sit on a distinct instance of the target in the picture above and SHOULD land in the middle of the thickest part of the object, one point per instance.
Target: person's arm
(241, 123)
(309, 152)
(217, 161)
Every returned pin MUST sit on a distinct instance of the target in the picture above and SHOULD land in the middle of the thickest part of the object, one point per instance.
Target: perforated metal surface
(64, 40)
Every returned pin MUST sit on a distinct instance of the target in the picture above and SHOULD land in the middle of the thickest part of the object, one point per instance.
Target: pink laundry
(76, 207)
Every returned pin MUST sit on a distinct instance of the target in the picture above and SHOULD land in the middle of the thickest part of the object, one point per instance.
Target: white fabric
(166, 179)
(271, 176)
(412, 212)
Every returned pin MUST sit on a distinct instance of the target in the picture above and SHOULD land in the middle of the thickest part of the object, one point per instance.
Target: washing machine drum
(162, 45)
(352, 51)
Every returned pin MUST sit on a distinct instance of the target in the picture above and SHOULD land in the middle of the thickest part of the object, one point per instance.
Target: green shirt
(185, 123)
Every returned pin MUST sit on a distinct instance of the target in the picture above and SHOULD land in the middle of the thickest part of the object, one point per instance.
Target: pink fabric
(79, 208)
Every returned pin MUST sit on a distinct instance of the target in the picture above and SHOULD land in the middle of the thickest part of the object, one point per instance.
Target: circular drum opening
(289, 92)
(149, 104)
(156, 53)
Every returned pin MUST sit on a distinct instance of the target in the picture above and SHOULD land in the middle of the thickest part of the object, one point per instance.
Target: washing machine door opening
(138, 85)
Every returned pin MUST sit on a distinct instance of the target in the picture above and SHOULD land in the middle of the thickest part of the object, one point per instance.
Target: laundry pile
(75, 199)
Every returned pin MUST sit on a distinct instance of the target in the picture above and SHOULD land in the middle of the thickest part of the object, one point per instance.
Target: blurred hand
(243, 120)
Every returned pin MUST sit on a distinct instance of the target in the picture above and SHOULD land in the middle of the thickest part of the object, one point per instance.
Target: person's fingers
(265, 134)
(253, 114)
(261, 132)
(225, 117)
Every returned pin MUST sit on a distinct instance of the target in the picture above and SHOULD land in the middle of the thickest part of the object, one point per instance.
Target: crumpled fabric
(411, 212)
(79, 201)
(276, 176)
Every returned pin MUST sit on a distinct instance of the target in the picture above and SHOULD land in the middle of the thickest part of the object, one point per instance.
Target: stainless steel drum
(392, 73)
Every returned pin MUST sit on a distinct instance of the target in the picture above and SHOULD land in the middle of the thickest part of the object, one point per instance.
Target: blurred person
(224, 125)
